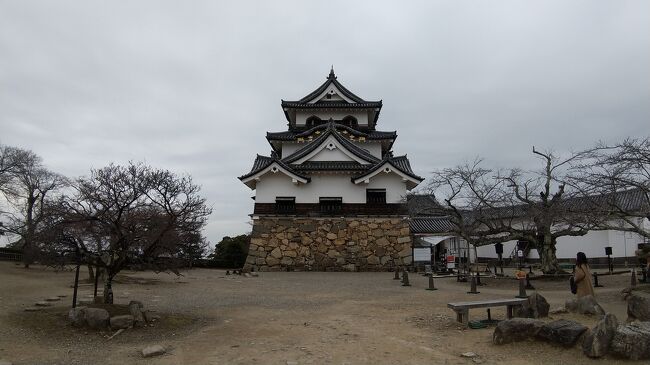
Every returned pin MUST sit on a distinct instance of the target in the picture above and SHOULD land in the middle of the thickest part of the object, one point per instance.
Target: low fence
(10, 254)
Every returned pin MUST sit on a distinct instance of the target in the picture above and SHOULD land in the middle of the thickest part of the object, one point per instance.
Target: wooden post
(96, 281)
(76, 285)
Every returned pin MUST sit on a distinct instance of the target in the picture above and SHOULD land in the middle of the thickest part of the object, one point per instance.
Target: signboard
(451, 262)
(422, 254)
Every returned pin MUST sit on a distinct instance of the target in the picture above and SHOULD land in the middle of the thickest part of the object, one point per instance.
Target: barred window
(285, 204)
(376, 196)
(330, 205)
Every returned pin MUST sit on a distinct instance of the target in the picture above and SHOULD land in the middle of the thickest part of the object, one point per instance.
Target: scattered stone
(97, 317)
(77, 316)
(625, 293)
(33, 309)
(116, 333)
(43, 304)
(559, 310)
(468, 354)
(255, 274)
(563, 332)
(153, 350)
(516, 329)
(476, 360)
(149, 316)
(535, 307)
(597, 341)
(122, 322)
(52, 299)
(585, 305)
(632, 341)
(638, 306)
(135, 308)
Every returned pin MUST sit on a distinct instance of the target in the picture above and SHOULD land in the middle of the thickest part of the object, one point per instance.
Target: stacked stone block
(329, 244)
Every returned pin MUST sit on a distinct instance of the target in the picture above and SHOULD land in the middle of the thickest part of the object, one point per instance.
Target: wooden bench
(462, 308)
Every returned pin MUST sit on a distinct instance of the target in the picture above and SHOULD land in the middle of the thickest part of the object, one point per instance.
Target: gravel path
(276, 318)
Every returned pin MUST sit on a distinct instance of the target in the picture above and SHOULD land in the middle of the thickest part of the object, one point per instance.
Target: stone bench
(462, 308)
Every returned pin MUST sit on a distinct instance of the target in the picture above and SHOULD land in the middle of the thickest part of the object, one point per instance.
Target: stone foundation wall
(329, 244)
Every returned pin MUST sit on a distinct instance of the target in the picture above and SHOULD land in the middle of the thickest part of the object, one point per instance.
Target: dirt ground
(278, 318)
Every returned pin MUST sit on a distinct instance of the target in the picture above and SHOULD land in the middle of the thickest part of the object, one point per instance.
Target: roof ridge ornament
(331, 75)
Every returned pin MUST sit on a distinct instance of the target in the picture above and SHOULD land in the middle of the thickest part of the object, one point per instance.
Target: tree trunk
(108, 290)
(547, 255)
(91, 274)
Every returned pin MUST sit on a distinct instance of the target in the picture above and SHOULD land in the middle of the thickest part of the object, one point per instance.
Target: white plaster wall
(302, 115)
(373, 147)
(273, 185)
(592, 244)
(290, 147)
(331, 155)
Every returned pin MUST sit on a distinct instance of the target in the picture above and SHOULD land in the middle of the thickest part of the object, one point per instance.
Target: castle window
(349, 121)
(314, 121)
(285, 204)
(330, 205)
(376, 196)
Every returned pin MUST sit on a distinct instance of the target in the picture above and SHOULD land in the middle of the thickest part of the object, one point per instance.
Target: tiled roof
(430, 225)
(331, 79)
(291, 135)
(424, 205)
(331, 131)
(325, 105)
(262, 162)
(401, 163)
(330, 166)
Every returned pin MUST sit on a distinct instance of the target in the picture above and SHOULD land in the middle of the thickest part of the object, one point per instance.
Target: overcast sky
(194, 86)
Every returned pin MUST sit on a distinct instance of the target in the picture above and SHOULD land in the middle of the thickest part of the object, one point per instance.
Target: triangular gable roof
(331, 80)
(400, 165)
(318, 142)
(263, 164)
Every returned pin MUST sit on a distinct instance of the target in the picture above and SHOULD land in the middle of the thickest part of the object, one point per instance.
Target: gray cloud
(193, 87)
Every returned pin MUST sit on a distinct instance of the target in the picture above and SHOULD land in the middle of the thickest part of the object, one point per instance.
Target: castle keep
(331, 196)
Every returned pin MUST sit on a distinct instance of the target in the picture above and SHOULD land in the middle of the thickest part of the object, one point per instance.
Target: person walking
(582, 276)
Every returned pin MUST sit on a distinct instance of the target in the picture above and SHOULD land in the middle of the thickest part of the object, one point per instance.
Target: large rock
(638, 306)
(516, 329)
(135, 308)
(584, 305)
(535, 307)
(598, 340)
(123, 321)
(77, 316)
(563, 332)
(153, 350)
(632, 341)
(97, 317)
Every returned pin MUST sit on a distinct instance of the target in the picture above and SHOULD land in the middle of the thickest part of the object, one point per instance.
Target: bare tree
(28, 187)
(617, 178)
(130, 216)
(488, 206)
